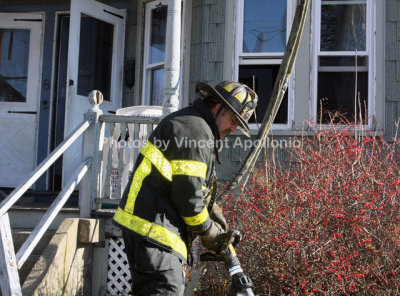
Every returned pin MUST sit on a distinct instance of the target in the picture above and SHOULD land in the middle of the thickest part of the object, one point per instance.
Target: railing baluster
(136, 136)
(149, 129)
(125, 173)
(123, 148)
(97, 172)
(109, 167)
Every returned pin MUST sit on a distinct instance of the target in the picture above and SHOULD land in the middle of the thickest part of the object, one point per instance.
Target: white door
(95, 61)
(20, 63)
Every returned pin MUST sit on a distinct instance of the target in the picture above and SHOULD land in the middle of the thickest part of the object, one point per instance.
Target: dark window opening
(95, 56)
(264, 79)
(336, 93)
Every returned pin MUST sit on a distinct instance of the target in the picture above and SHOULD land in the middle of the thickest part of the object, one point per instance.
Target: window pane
(264, 26)
(343, 61)
(157, 87)
(95, 56)
(336, 92)
(14, 55)
(264, 78)
(343, 26)
(158, 32)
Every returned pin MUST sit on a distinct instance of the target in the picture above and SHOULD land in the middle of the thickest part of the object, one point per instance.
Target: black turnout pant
(154, 271)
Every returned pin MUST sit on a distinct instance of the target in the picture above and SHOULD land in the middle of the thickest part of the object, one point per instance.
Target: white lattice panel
(118, 276)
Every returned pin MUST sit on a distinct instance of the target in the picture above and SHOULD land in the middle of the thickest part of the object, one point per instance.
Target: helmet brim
(207, 90)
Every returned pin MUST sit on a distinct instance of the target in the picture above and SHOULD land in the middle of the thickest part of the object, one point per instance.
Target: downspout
(172, 58)
(202, 41)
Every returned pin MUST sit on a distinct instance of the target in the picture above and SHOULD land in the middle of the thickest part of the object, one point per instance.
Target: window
(96, 44)
(262, 35)
(343, 60)
(154, 52)
(14, 53)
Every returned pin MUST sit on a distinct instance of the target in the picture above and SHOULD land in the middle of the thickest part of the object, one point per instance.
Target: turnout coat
(164, 202)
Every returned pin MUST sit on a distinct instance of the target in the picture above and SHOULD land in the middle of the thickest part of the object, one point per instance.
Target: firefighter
(165, 205)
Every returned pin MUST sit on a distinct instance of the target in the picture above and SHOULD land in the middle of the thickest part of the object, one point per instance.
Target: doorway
(59, 96)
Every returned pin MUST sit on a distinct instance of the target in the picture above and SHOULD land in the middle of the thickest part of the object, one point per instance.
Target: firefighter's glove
(217, 215)
(214, 237)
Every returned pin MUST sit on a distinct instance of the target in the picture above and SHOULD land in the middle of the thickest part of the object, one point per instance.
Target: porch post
(90, 148)
(172, 57)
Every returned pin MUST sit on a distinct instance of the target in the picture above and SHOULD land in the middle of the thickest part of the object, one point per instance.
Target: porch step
(23, 219)
(28, 216)
(19, 237)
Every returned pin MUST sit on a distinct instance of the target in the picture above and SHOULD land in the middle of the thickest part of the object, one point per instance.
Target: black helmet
(235, 96)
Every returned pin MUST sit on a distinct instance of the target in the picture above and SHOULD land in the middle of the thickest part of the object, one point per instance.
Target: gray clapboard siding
(207, 43)
(392, 10)
(392, 66)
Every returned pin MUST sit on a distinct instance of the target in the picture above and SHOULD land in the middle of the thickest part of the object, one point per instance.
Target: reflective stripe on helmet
(152, 231)
(241, 95)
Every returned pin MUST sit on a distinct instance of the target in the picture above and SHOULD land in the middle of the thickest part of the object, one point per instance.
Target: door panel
(20, 60)
(95, 59)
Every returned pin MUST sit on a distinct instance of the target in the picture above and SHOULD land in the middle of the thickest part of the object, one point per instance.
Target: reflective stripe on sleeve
(198, 219)
(151, 230)
(189, 168)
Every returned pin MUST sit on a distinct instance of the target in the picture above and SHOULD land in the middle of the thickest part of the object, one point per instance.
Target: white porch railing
(127, 134)
(103, 174)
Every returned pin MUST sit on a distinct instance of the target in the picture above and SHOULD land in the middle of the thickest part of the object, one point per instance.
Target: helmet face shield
(235, 96)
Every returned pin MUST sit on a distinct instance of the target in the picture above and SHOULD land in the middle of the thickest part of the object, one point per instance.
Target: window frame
(145, 18)
(370, 53)
(147, 67)
(264, 58)
(33, 80)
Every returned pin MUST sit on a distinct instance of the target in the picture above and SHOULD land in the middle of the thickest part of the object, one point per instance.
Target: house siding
(392, 66)
(207, 43)
(234, 154)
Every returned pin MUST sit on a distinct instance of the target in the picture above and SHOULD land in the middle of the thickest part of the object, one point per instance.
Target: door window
(95, 56)
(14, 54)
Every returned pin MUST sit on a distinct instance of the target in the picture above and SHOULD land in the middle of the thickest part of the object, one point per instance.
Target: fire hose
(241, 283)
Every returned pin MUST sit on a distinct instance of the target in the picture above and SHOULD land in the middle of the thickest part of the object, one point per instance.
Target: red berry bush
(327, 223)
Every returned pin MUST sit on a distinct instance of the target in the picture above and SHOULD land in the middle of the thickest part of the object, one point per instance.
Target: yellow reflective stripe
(157, 159)
(151, 230)
(240, 95)
(198, 219)
(189, 168)
(232, 249)
(143, 170)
